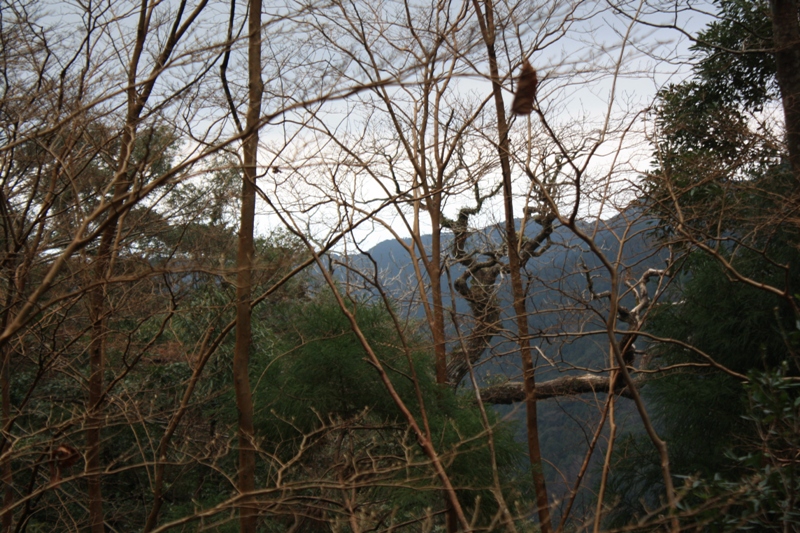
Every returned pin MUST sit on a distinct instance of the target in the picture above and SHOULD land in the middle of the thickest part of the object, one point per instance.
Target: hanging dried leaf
(526, 90)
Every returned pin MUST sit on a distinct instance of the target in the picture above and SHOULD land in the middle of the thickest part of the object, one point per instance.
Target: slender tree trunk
(520, 311)
(786, 38)
(435, 274)
(97, 362)
(439, 344)
(97, 295)
(95, 412)
(97, 352)
(488, 30)
(241, 356)
(5, 377)
(8, 493)
(97, 347)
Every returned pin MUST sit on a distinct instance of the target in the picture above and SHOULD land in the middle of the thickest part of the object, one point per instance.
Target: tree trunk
(435, 275)
(439, 345)
(97, 310)
(8, 493)
(488, 30)
(5, 376)
(241, 356)
(786, 37)
(94, 407)
(97, 346)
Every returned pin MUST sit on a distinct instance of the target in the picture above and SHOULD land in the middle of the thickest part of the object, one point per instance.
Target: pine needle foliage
(319, 396)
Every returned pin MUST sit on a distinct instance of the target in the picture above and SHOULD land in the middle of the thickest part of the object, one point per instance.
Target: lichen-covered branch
(514, 391)
(478, 283)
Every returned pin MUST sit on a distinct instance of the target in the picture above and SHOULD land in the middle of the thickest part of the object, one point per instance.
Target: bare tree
(435, 154)
(524, 243)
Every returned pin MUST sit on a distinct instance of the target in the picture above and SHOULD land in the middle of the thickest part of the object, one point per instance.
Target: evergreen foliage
(718, 189)
(764, 497)
(319, 396)
(735, 53)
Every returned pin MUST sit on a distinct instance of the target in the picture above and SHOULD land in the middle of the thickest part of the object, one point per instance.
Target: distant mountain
(557, 282)
(556, 278)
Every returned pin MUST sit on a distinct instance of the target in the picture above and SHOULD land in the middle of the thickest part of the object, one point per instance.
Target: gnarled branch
(513, 391)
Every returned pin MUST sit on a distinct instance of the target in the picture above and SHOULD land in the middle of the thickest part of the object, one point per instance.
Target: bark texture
(246, 251)
(488, 30)
(786, 36)
(514, 391)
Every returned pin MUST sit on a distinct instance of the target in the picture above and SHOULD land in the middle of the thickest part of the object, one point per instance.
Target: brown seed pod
(526, 90)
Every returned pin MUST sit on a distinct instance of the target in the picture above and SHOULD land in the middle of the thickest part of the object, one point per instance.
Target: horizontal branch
(514, 391)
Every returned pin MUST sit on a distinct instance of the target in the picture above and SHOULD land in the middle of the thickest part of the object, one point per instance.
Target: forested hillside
(563, 420)
(326, 266)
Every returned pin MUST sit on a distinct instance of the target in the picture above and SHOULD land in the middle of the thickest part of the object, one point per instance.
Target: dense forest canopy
(584, 314)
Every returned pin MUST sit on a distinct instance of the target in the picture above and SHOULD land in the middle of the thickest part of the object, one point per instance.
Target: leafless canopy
(187, 184)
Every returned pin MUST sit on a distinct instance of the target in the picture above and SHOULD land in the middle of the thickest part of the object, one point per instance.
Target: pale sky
(574, 96)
